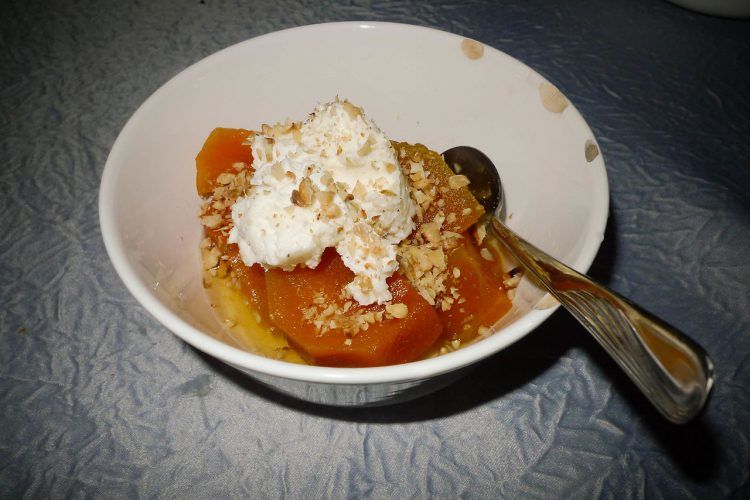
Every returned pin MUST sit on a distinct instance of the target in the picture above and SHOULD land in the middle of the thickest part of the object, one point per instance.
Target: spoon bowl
(671, 370)
(483, 177)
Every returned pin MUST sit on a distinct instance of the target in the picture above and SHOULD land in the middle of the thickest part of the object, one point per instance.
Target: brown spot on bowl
(591, 150)
(472, 49)
(552, 99)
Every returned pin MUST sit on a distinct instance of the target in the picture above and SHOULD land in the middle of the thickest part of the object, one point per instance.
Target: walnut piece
(398, 311)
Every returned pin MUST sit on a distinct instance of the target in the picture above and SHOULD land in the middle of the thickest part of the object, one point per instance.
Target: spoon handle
(671, 370)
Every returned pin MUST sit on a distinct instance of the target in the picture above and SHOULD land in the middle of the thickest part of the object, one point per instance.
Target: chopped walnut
(486, 255)
(211, 258)
(480, 233)
(347, 317)
(512, 281)
(224, 178)
(458, 181)
(398, 311)
(303, 197)
(211, 221)
(431, 231)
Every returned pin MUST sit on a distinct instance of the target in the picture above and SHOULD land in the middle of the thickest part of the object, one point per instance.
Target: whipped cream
(332, 181)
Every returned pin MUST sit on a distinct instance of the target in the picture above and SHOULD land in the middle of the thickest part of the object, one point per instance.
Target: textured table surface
(98, 399)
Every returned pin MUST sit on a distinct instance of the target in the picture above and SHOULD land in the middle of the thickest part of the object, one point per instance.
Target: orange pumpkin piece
(223, 148)
(457, 201)
(390, 341)
(252, 280)
(480, 285)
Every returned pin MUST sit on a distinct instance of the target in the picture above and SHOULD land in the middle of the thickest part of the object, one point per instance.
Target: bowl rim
(319, 374)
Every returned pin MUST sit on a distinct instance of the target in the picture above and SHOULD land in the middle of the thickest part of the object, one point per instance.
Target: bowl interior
(416, 83)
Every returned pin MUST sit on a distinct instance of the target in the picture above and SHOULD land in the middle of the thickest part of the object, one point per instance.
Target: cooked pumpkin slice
(333, 330)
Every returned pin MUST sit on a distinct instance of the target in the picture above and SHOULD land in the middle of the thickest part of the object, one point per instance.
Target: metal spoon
(671, 370)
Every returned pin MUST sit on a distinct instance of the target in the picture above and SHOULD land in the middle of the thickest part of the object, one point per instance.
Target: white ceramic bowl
(724, 8)
(419, 85)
